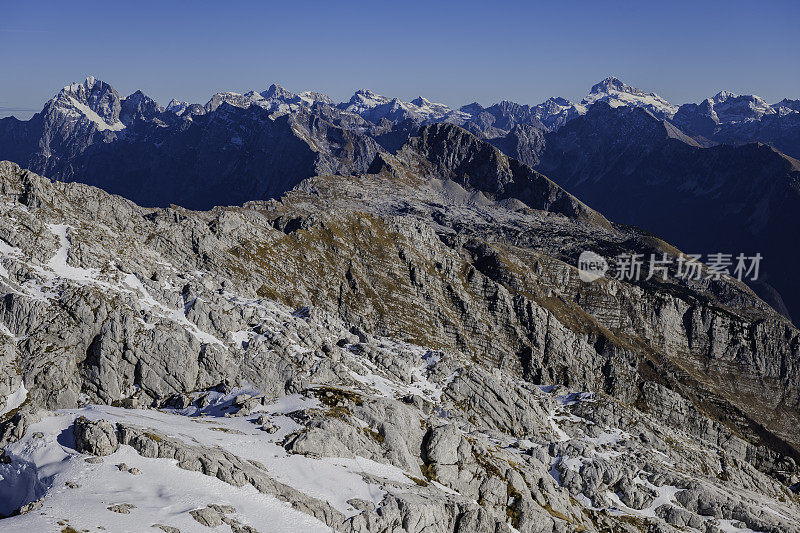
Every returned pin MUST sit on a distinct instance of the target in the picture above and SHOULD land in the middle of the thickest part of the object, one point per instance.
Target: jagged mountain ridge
(238, 147)
(150, 308)
(91, 113)
(722, 110)
(84, 127)
(225, 154)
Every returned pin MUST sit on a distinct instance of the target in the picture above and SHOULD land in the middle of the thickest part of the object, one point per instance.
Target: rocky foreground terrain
(409, 349)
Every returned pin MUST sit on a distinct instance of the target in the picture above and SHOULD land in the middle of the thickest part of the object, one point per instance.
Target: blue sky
(449, 52)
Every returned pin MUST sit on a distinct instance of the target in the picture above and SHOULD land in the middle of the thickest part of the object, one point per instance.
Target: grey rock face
(537, 402)
(95, 438)
(449, 152)
(139, 106)
(207, 516)
(121, 508)
(130, 470)
(167, 529)
(523, 143)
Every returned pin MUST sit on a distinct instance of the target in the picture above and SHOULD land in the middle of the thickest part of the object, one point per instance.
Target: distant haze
(450, 53)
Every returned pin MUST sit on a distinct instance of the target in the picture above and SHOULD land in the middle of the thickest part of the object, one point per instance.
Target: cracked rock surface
(382, 352)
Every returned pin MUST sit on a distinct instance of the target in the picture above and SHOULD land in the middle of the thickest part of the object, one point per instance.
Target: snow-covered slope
(128, 489)
(127, 492)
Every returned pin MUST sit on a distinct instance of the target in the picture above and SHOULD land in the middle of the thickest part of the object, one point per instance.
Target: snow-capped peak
(364, 99)
(723, 95)
(611, 84)
(88, 84)
(557, 104)
(275, 91)
(247, 99)
(177, 106)
(618, 94)
(731, 108)
(374, 107)
(312, 97)
(787, 107)
(557, 111)
(92, 100)
(275, 99)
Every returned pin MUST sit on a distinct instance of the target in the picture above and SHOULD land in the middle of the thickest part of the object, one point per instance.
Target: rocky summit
(405, 348)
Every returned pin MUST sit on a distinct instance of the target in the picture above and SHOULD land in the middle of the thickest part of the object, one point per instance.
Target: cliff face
(332, 293)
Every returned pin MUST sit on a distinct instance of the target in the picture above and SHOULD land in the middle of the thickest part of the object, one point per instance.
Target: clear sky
(448, 52)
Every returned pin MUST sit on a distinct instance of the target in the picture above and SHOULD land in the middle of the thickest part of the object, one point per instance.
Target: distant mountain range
(717, 176)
